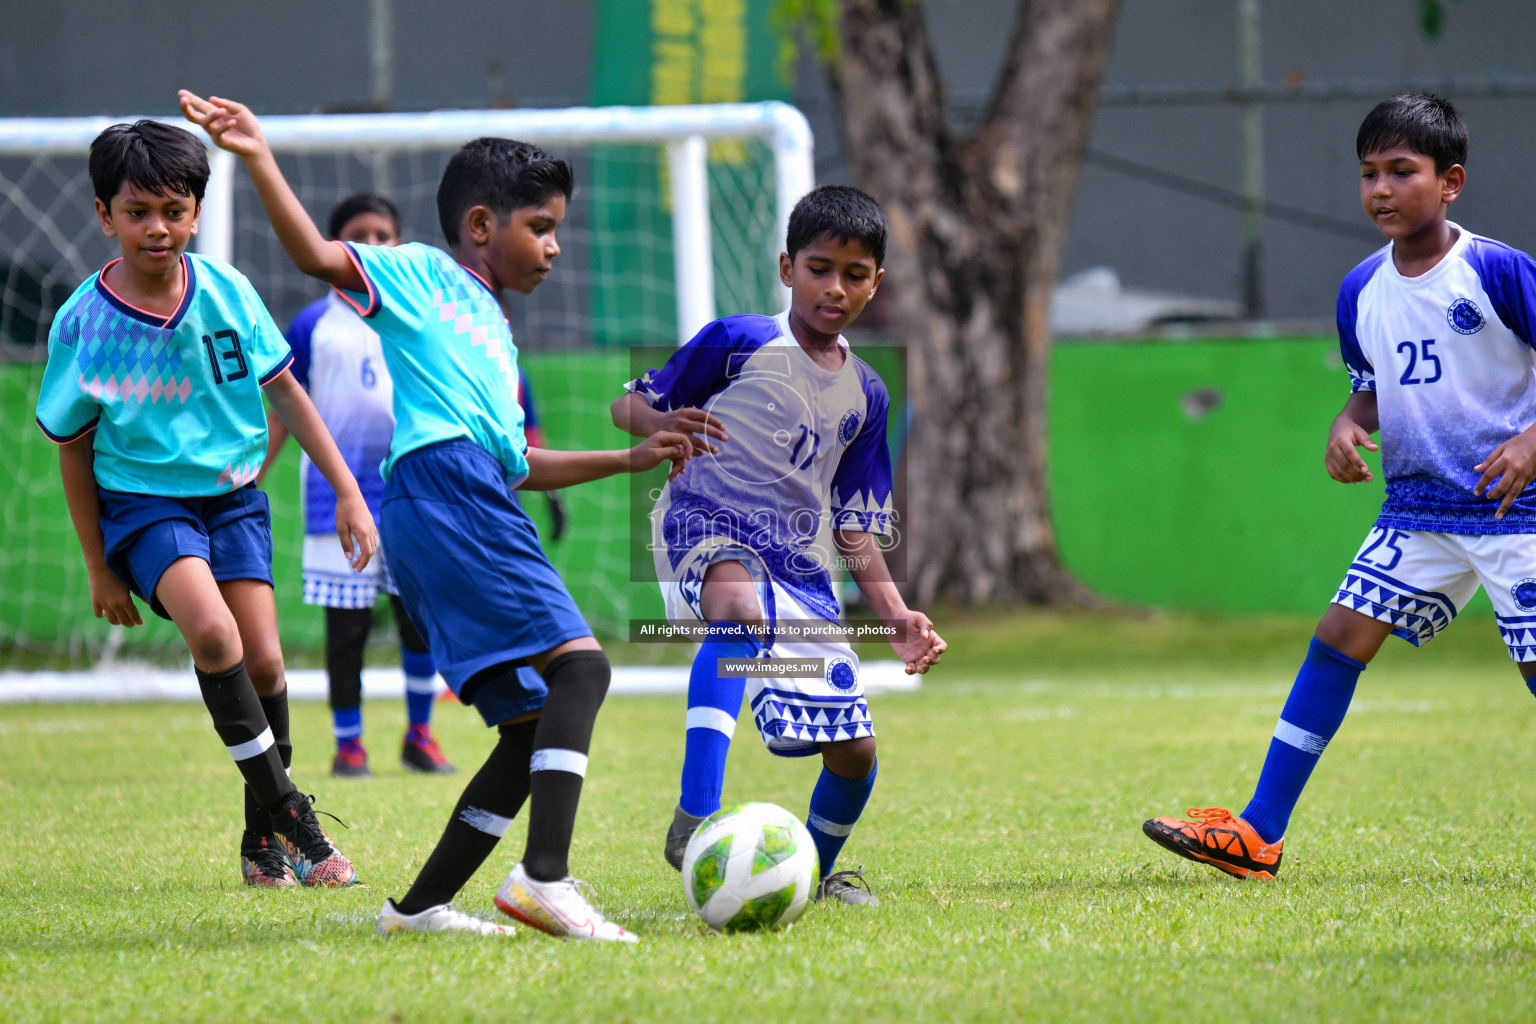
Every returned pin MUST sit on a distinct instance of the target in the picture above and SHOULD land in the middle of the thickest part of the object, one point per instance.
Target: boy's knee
(1351, 633)
(739, 608)
(214, 642)
(266, 669)
(852, 759)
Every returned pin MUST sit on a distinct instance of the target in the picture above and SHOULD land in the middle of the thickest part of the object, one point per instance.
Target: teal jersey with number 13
(175, 401)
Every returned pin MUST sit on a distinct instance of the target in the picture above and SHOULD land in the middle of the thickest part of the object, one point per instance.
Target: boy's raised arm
(232, 126)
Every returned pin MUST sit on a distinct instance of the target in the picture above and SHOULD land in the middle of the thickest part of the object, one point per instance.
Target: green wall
(1189, 474)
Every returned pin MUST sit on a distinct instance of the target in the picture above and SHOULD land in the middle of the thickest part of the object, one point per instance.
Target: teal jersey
(449, 350)
(175, 401)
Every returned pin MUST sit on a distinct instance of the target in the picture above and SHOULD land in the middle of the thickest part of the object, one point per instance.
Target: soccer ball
(749, 867)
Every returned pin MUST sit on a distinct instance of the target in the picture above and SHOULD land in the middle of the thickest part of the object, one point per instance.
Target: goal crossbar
(683, 130)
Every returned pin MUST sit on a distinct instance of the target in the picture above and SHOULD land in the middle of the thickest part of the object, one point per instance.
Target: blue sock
(836, 804)
(420, 685)
(347, 723)
(713, 703)
(1312, 714)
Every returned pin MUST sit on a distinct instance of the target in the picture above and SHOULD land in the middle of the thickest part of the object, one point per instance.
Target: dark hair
(841, 212)
(362, 202)
(155, 157)
(502, 174)
(1421, 121)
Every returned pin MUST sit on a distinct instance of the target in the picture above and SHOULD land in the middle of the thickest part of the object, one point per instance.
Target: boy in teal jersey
(153, 391)
(466, 557)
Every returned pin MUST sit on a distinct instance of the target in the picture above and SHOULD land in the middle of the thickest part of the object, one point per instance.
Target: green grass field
(1004, 839)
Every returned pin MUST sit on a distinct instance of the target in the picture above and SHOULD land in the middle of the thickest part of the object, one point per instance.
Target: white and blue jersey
(449, 350)
(1449, 355)
(175, 401)
(807, 451)
(806, 444)
(339, 360)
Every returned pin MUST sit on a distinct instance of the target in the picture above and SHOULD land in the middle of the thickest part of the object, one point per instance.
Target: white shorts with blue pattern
(1417, 581)
(793, 714)
(331, 582)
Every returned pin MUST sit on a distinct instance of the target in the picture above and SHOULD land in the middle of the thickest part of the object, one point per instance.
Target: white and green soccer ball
(750, 867)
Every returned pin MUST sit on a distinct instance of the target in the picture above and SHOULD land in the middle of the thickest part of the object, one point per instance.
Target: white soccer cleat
(559, 908)
(442, 918)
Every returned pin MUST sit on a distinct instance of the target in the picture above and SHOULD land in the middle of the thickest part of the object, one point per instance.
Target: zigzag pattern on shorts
(786, 716)
(1415, 615)
(1519, 633)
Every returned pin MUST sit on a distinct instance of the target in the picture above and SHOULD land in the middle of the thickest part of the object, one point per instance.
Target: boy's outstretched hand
(922, 647)
(662, 446)
(1343, 461)
(695, 422)
(230, 125)
(354, 525)
(1513, 465)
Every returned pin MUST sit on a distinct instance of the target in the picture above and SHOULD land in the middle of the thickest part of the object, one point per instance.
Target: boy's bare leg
(729, 595)
(193, 599)
(255, 612)
(1349, 632)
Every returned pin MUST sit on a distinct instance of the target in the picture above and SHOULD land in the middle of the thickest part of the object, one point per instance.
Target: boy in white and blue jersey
(153, 390)
(338, 360)
(790, 430)
(466, 557)
(1437, 331)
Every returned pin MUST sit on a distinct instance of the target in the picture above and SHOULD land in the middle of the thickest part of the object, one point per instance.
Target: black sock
(346, 632)
(238, 719)
(490, 802)
(257, 820)
(577, 683)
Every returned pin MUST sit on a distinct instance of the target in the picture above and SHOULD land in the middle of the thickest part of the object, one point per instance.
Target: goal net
(678, 215)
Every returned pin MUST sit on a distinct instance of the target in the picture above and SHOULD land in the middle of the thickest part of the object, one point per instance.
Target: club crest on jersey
(842, 677)
(1524, 594)
(1464, 317)
(848, 429)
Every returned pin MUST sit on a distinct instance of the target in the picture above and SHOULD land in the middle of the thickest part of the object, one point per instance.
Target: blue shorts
(145, 533)
(473, 576)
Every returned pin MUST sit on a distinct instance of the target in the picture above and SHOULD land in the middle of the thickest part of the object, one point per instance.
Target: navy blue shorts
(473, 576)
(145, 533)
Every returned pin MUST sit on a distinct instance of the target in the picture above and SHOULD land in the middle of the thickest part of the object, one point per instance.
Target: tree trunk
(977, 226)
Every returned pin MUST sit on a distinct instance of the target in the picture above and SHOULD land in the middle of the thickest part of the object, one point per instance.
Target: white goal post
(685, 132)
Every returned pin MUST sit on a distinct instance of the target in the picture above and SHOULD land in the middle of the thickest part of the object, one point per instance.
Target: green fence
(1185, 475)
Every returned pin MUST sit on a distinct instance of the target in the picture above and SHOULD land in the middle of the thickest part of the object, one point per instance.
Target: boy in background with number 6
(1437, 332)
(339, 361)
(156, 369)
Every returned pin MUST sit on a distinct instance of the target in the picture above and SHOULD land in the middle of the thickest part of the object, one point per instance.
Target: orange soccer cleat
(1217, 838)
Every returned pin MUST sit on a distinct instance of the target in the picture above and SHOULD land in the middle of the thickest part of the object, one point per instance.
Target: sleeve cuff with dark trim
(67, 438)
(373, 292)
(276, 371)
